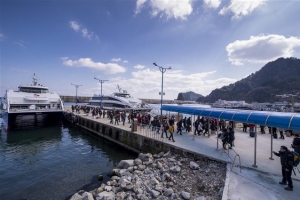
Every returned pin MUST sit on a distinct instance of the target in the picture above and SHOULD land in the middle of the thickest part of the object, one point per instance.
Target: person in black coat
(224, 138)
(286, 160)
(231, 137)
(179, 127)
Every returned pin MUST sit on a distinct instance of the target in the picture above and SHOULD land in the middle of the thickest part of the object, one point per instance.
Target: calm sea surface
(54, 163)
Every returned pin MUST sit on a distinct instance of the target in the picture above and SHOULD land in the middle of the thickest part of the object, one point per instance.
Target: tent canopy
(283, 120)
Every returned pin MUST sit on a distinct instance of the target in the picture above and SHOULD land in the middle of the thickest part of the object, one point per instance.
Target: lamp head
(155, 64)
(170, 67)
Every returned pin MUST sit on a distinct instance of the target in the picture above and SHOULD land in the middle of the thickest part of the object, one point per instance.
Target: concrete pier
(244, 179)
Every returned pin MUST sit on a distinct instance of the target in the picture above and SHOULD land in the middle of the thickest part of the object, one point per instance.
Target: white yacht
(118, 101)
(31, 106)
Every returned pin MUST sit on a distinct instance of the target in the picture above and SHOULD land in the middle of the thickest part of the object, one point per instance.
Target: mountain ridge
(278, 77)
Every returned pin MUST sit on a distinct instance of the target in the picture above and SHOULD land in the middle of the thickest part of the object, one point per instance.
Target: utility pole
(162, 70)
(76, 86)
(101, 81)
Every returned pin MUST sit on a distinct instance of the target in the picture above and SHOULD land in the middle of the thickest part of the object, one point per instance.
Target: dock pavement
(261, 182)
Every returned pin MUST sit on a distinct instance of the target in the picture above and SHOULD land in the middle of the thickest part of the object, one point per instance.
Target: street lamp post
(77, 86)
(162, 70)
(101, 81)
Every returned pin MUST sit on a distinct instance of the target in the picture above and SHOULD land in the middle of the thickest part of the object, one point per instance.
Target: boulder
(87, 196)
(168, 192)
(107, 188)
(201, 198)
(185, 195)
(137, 161)
(141, 167)
(116, 178)
(76, 196)
(159, 165)
(143, 157)
(125, 164)
(106, 196)
(154, 193)
(175, 169)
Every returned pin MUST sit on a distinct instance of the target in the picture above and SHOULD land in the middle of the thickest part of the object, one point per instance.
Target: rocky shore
(161, 176)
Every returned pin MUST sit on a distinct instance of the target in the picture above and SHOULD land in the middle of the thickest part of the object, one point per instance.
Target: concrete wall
(129, 140)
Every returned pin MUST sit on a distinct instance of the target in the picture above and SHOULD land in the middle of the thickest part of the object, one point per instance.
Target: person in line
(164, 129)
(123, 116)
(224, 138)
(281, 133)
(262, 129)
(171, 130)
(196, 123)
(245, 125)
(179, 127)
(231, 137)
(296, 143)
(286, 160)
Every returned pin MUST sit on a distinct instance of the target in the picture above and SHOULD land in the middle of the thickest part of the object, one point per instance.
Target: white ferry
(31, 106)
(118, 101)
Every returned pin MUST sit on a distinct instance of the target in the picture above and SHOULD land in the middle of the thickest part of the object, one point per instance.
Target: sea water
(54, 162)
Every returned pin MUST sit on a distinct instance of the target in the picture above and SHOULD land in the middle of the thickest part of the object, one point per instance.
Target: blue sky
(208, 43)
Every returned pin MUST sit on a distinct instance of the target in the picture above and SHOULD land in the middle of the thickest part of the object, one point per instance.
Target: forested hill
(281, 76)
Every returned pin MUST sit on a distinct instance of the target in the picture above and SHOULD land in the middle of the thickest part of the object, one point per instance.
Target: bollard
(271, 158)
(255, 146)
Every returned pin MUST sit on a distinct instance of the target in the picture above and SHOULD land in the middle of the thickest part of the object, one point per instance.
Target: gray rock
(76, 196)
(107, 188)
(116, 178)
(171, 160)
(137, 161)
(154, 181)
(143, 157)
(194, 165)
(124, 164)
(141, 167)
(106, 196)
(121, 195)
(185, 195)
(130, 169)
(159, 165)
(148, 171)
(166, 155)
(168, 192)
(115, 171)
(87, 196)
(159, 187)
(161, 154)
(175, 169)
(154, 193)
(122, 172)
(201, 198)
(143, 197)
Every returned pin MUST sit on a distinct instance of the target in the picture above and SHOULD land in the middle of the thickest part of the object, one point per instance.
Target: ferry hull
(31, 120)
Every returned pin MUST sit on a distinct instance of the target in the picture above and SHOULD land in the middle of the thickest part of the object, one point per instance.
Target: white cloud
(139, 66)
(240, 8)
(20, 43)
(146, 83)
(125, 61)
(139, 5)
(262, 48)
(2, 37)
(212, 3)
(178, 9)
(74, 25)
(85, 32)
(110, 68)
(116, 59)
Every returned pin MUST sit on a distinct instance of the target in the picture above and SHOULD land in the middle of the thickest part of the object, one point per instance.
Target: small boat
(31, 106)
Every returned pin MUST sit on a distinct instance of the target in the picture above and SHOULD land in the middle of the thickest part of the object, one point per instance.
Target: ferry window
(35, 90)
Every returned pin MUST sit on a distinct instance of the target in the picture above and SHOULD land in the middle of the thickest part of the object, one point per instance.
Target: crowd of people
(201, 126)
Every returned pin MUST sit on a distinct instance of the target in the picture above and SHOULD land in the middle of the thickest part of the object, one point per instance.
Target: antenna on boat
(34, 79)
(119, 88)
